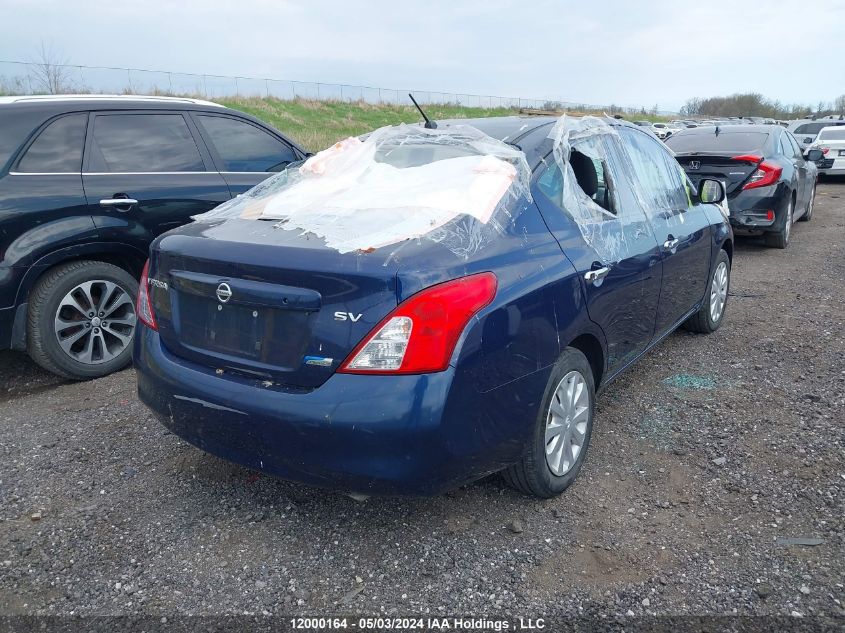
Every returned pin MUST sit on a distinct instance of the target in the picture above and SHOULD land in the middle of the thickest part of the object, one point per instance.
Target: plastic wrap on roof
(453, 186)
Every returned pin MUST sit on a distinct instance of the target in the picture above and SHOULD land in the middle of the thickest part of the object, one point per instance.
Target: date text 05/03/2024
(417, 624)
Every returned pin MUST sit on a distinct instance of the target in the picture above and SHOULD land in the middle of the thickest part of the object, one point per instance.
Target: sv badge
(347, 316)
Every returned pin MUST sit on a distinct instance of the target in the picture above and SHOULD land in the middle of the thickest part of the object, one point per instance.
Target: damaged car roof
(528, 133)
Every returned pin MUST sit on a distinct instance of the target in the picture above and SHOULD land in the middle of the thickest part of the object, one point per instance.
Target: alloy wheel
(718, 292)
(95, 321)
(566, 423)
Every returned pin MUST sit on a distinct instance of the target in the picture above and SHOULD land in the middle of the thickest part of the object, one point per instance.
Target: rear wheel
(781, 238)
(808, 214)
(709, 316)
(81, 320)
(564, 425)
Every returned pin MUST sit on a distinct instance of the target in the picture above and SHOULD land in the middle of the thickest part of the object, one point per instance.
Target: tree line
(755, 104)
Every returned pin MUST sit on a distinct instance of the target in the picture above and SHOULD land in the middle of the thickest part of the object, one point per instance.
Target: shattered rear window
(457, 187)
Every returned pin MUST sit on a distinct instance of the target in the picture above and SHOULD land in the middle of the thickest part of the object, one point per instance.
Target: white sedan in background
(665, 130)
(831, 141)
(661, 130)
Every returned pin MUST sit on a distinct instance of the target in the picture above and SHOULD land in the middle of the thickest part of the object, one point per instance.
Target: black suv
(86, 183)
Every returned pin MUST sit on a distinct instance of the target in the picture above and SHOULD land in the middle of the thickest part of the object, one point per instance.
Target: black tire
(808, 213)
(45, 304)
(532, 475)
(702, 321)
(780, 239)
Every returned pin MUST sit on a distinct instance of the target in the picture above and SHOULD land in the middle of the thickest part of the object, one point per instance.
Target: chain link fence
(24, 78)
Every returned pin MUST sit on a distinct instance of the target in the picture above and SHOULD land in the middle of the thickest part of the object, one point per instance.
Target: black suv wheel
(81, 319)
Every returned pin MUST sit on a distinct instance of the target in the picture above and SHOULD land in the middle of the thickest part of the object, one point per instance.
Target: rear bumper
(412, 435)
(832, 166)
(749, 209)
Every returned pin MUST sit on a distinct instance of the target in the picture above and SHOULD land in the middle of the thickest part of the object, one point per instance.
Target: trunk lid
(835, 148)
(244, 297)
(732, 170)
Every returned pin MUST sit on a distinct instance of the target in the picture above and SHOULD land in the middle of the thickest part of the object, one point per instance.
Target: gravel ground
(704, 457)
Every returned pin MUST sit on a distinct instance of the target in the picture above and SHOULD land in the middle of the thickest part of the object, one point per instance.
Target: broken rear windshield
(727, 142)
(457, 187)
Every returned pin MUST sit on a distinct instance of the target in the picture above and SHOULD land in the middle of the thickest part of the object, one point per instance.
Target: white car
(831, 141)
(661, 130)
(674, 127)
(806, 130)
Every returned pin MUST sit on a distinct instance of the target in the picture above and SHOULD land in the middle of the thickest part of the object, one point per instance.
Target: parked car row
(807, 130)
(402, 313)
(769, 182)
(399, 314)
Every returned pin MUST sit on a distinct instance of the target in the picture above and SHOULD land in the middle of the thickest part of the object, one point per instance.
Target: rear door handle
(593, 276)
(671, 243)
(118, 202)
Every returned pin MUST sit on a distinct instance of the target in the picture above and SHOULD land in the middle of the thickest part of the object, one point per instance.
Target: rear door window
(244, 147)
(142, 143)
(786, 146)
(795, 146)
(58, 148)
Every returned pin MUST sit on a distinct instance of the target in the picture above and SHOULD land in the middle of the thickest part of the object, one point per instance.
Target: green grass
(318, 124)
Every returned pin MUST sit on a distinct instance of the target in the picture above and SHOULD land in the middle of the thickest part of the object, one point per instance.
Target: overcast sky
(600, 52)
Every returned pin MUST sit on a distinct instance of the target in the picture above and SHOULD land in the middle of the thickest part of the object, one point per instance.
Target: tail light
(144, 307)
(420, 335)
(766, 173)
(824, 150)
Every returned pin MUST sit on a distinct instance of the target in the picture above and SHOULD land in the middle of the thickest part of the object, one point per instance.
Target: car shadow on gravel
(20, 376)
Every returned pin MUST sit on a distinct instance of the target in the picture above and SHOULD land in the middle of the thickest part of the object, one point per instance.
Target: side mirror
(711, 191)
(814, 155)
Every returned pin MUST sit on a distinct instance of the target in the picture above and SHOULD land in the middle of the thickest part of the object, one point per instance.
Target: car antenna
(431, 125)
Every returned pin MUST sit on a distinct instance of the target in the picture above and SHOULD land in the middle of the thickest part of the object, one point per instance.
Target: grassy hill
(318, 124)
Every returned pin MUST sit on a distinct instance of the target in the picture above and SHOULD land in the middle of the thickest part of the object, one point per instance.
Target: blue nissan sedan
(411, 311)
